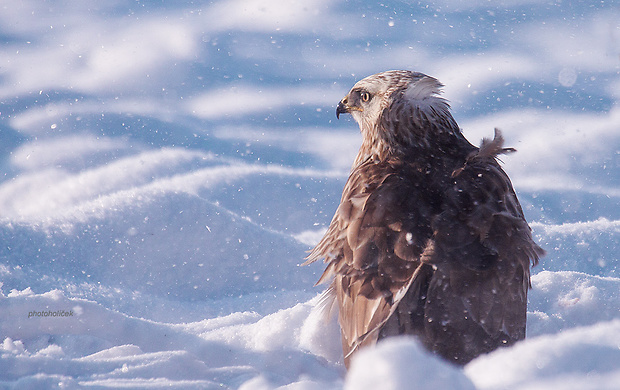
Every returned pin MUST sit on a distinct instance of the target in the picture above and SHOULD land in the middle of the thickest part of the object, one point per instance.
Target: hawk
(429, 238)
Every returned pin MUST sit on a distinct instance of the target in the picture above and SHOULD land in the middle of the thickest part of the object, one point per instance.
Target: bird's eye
(365, 96)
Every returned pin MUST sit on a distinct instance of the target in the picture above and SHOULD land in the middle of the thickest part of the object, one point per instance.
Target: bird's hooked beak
(345, 108)
(342, 108)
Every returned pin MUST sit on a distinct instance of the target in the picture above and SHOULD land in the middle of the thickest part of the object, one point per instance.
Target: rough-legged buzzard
(429, 238)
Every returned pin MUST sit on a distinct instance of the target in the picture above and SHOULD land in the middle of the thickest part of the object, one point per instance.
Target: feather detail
(488, 149)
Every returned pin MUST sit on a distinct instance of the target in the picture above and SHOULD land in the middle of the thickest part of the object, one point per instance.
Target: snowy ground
(165, 168)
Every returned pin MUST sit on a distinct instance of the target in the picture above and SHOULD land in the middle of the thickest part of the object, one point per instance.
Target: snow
(389, 366)
(166, 167)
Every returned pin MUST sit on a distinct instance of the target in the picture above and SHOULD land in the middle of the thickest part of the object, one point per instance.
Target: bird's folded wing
(482, 231)
(373, 248)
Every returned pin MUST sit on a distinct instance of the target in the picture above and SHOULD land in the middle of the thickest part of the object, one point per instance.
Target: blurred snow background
(165, 166)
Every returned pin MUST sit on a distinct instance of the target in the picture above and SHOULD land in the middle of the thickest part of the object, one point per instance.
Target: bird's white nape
(424, 88)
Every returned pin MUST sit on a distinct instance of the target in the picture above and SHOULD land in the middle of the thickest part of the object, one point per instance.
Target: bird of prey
(429, 238)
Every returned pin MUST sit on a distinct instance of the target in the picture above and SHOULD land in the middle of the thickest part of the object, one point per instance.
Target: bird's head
(373, 94)
(397, 109)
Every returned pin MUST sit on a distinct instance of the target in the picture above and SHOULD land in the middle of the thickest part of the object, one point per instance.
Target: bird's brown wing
(482, 249)
(372, 247)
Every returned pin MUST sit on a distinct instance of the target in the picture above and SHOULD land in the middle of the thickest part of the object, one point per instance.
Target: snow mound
(579, 358)
(402, 363)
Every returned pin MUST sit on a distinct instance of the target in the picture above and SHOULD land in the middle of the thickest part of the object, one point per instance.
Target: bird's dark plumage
(429, 238)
